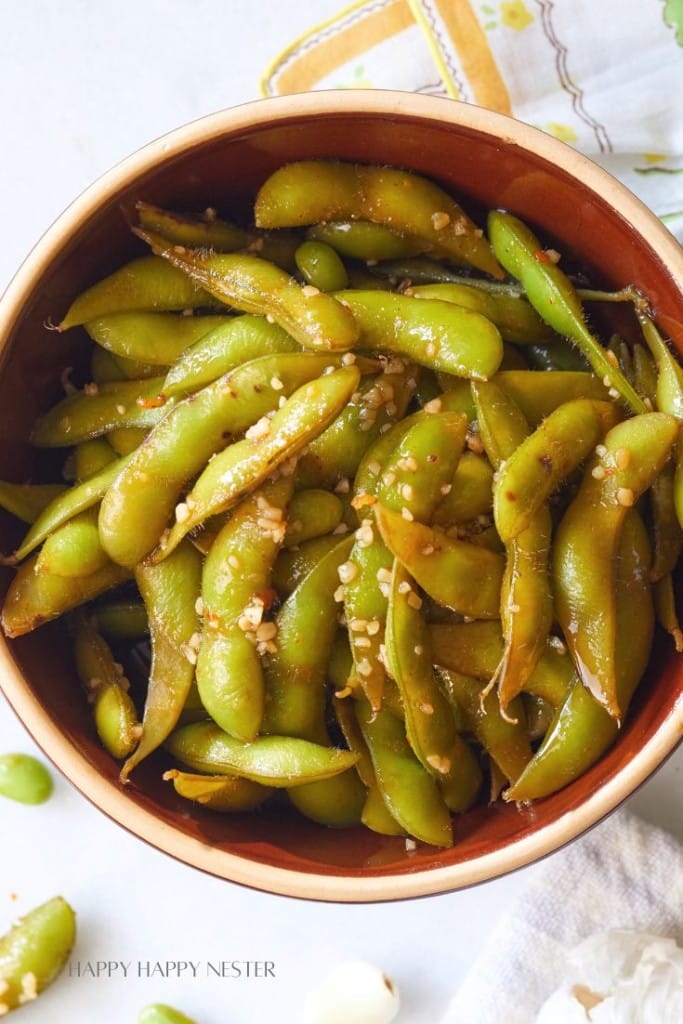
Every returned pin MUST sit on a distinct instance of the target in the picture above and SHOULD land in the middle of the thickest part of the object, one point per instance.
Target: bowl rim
(107, 795)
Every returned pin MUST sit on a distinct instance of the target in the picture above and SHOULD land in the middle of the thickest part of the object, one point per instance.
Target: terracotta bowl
(488, 160)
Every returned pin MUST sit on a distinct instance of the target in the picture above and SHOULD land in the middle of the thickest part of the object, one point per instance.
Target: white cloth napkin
(625, 873)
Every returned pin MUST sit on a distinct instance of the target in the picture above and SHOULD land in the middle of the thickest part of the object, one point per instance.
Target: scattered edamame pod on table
(34, 952)
(25, 779)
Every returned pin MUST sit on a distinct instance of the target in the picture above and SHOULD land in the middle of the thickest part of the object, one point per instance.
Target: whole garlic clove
(352, 992)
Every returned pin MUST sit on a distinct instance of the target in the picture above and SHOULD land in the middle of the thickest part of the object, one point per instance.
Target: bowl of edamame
(340, 494)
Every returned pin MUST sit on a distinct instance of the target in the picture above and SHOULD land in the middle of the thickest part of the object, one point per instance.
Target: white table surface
(83, 84)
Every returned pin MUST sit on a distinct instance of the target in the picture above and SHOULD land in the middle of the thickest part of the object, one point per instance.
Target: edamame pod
(218, 792)
(320, 266)
(159, 1013)
(539, 394)
(312, 513)
(278, 761)
(25, 779)
(146, 284)
(435, 334)
(92, 457)
(74, 549)
(363, 240)
(270, 442)
(170, 591)
(514, 317)
(27, 501)
(34, 952)
(313, 318)
(587, 541)
(156, 338)
(311, 191)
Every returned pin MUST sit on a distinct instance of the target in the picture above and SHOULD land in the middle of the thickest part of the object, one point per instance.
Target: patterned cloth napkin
(623, 874)
(602, 75)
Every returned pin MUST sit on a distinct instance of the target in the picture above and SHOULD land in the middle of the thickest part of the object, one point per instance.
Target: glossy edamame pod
(245, 464)
(320, 266)
(545, 458)
(218, 792)
(409, 791)
(235, 578)
(223, 349)
(505, 739)
(313, 318)
(146, 491)
(278, 761)
(364, 240)
(85, 415)
(27, 501)
(145, 284)
(114, 713)
(93, 456)
(587, 541)
(35, 598)
(312, 513)
(514, 317)
(170, 591)
(25, 779)
(156, 338)
(459, 575)
(292, 565)
(159, 1013)
(553, 296)
(74, 549)
(104, 368)
(295, 671)
(124, 440)
(556, 354)
(470, 493)
(582, 730)
(311, 191)
(66, 505)
(335, 455)
(430, 726)
(121, 620)
(539, 394)
(206, 231)
(439, 335)
(34, 952)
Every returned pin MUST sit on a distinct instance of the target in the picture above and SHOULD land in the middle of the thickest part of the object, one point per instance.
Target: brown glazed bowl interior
(489, 161)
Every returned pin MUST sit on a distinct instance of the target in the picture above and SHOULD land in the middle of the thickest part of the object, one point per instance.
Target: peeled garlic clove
(355, 992)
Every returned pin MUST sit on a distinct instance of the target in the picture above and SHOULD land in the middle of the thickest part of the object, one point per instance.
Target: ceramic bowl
(487, 160)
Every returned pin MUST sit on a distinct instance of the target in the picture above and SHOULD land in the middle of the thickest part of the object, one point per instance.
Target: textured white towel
(623, 874)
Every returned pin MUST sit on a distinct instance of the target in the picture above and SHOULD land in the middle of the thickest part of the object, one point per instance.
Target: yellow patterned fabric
(601, 75)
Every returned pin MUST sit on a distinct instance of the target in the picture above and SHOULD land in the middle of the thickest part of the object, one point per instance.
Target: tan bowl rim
(110, 797)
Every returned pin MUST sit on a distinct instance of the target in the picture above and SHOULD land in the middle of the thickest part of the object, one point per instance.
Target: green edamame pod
(430, 726)
(504, 739)
(459, 575)
(436, 334)
(235, 577)
(104, 369)
(156, 338)
(224, 348)
(582, 730)
(541, 461)
(292, 565)
(320, 266)
(312, 513)
(587, 541)
(116, 719)
(409, 791)
(149, 486)
(553, 296)
(363, 240)
(278, 761)
(206, 231)
(245, 464)
(92, 457)
(85, 415)
(27, 501)
(295, 671)
(170, 591)
(159, 1013)
(121, 620)
(514, 317)
(470, 493)
(35, 598)
(24, 779)
(539, 394)
(146, 284)
(218, 792)
(311, 191)
(556, 354)
(313, 318)
(74, 549)
(34, 952)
